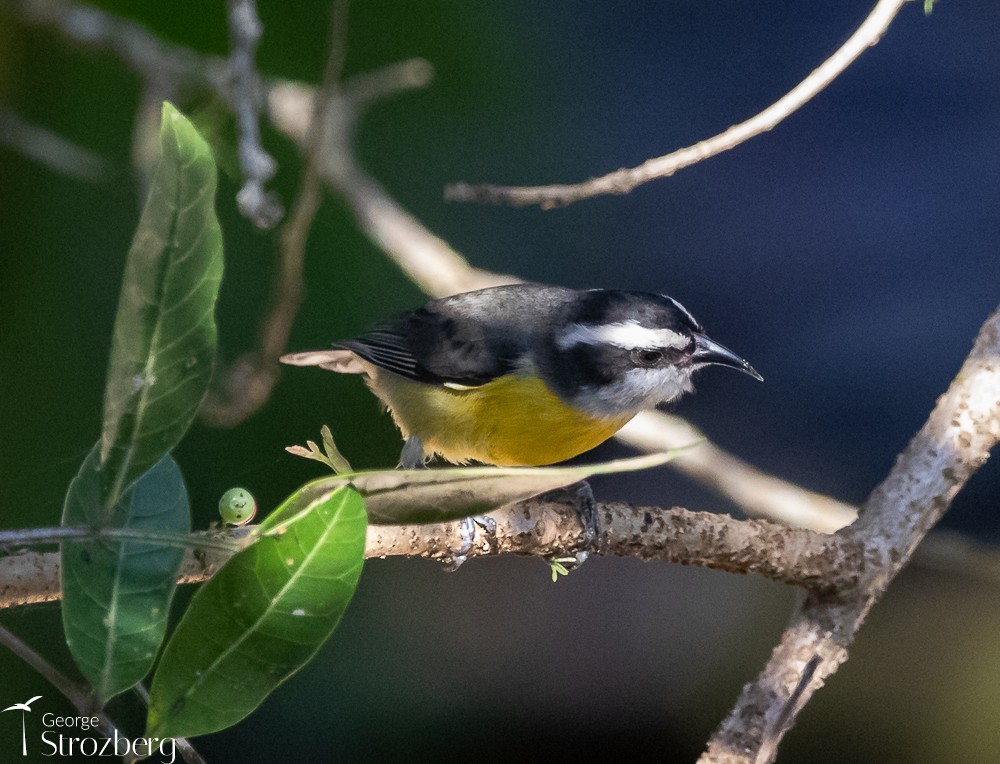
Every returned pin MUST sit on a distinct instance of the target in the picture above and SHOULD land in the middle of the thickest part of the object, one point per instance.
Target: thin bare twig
(258, 167)
(202, 540)
(73, 692)
(757, 493)
(85, 703)
(624, 180)
(51, 149)
(426, 259)
(164, 67)
(152, 58)
(953, 443)
(239, 390)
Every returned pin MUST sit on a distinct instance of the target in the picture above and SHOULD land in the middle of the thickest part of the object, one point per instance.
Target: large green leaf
(116, 594)
(164, 336)
(260, 618)
(439, 495)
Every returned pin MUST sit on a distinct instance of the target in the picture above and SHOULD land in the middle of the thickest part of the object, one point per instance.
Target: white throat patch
(623, 334)
(635, 391)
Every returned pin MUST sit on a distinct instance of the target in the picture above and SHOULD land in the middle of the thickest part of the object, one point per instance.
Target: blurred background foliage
(850, 255)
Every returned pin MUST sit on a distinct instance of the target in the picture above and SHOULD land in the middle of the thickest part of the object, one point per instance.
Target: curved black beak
(709, 351)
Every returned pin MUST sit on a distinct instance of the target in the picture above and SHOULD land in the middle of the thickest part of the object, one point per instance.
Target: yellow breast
(511, 421)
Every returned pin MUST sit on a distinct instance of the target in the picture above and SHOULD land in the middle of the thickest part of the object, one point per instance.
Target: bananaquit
(525, 374)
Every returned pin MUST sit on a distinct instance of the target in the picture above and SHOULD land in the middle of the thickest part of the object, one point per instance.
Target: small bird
(526, 374)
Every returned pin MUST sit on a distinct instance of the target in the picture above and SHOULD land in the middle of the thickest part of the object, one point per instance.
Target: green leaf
(260, 618)
(116, 594)
(438, 495)
(164, 337)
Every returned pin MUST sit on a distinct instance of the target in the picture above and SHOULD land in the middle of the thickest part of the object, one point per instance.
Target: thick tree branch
(28, 577)
(547, 526)
(624, 180)
(950, 447)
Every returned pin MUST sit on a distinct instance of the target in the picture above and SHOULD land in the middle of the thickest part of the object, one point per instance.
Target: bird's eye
(647, 357)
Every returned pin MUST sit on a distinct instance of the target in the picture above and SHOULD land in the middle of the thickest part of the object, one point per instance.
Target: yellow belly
(512, 421)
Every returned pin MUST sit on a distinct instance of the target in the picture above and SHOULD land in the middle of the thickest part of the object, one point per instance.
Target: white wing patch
(624, 334)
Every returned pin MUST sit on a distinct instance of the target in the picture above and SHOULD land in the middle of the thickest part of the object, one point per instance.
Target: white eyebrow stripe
(623, 334)
(684, 310)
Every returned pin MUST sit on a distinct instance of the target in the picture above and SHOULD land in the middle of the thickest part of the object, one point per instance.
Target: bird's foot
(586, 510)
(582, 497)
(413, 456)
(467, 534)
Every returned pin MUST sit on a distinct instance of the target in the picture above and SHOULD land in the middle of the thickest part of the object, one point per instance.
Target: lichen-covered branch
(257, 166)
(953, 443)
(547, 526)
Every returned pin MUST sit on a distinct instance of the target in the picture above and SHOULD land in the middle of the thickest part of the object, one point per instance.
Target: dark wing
(431, 344)
(467, 339)
(385, 349)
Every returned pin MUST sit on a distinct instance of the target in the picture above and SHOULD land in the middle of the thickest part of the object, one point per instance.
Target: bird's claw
(467, 534)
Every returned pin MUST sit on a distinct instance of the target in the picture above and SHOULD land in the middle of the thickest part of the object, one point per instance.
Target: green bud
(237, 506)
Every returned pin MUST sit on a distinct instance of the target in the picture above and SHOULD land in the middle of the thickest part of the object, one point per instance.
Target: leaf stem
(51, 535)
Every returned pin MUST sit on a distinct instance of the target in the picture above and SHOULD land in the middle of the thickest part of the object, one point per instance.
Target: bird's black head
(615, 351)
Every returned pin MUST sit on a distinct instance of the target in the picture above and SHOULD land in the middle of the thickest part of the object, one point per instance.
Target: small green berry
(237, 506)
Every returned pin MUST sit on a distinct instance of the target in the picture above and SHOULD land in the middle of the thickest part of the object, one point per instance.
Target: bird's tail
(340, 361)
